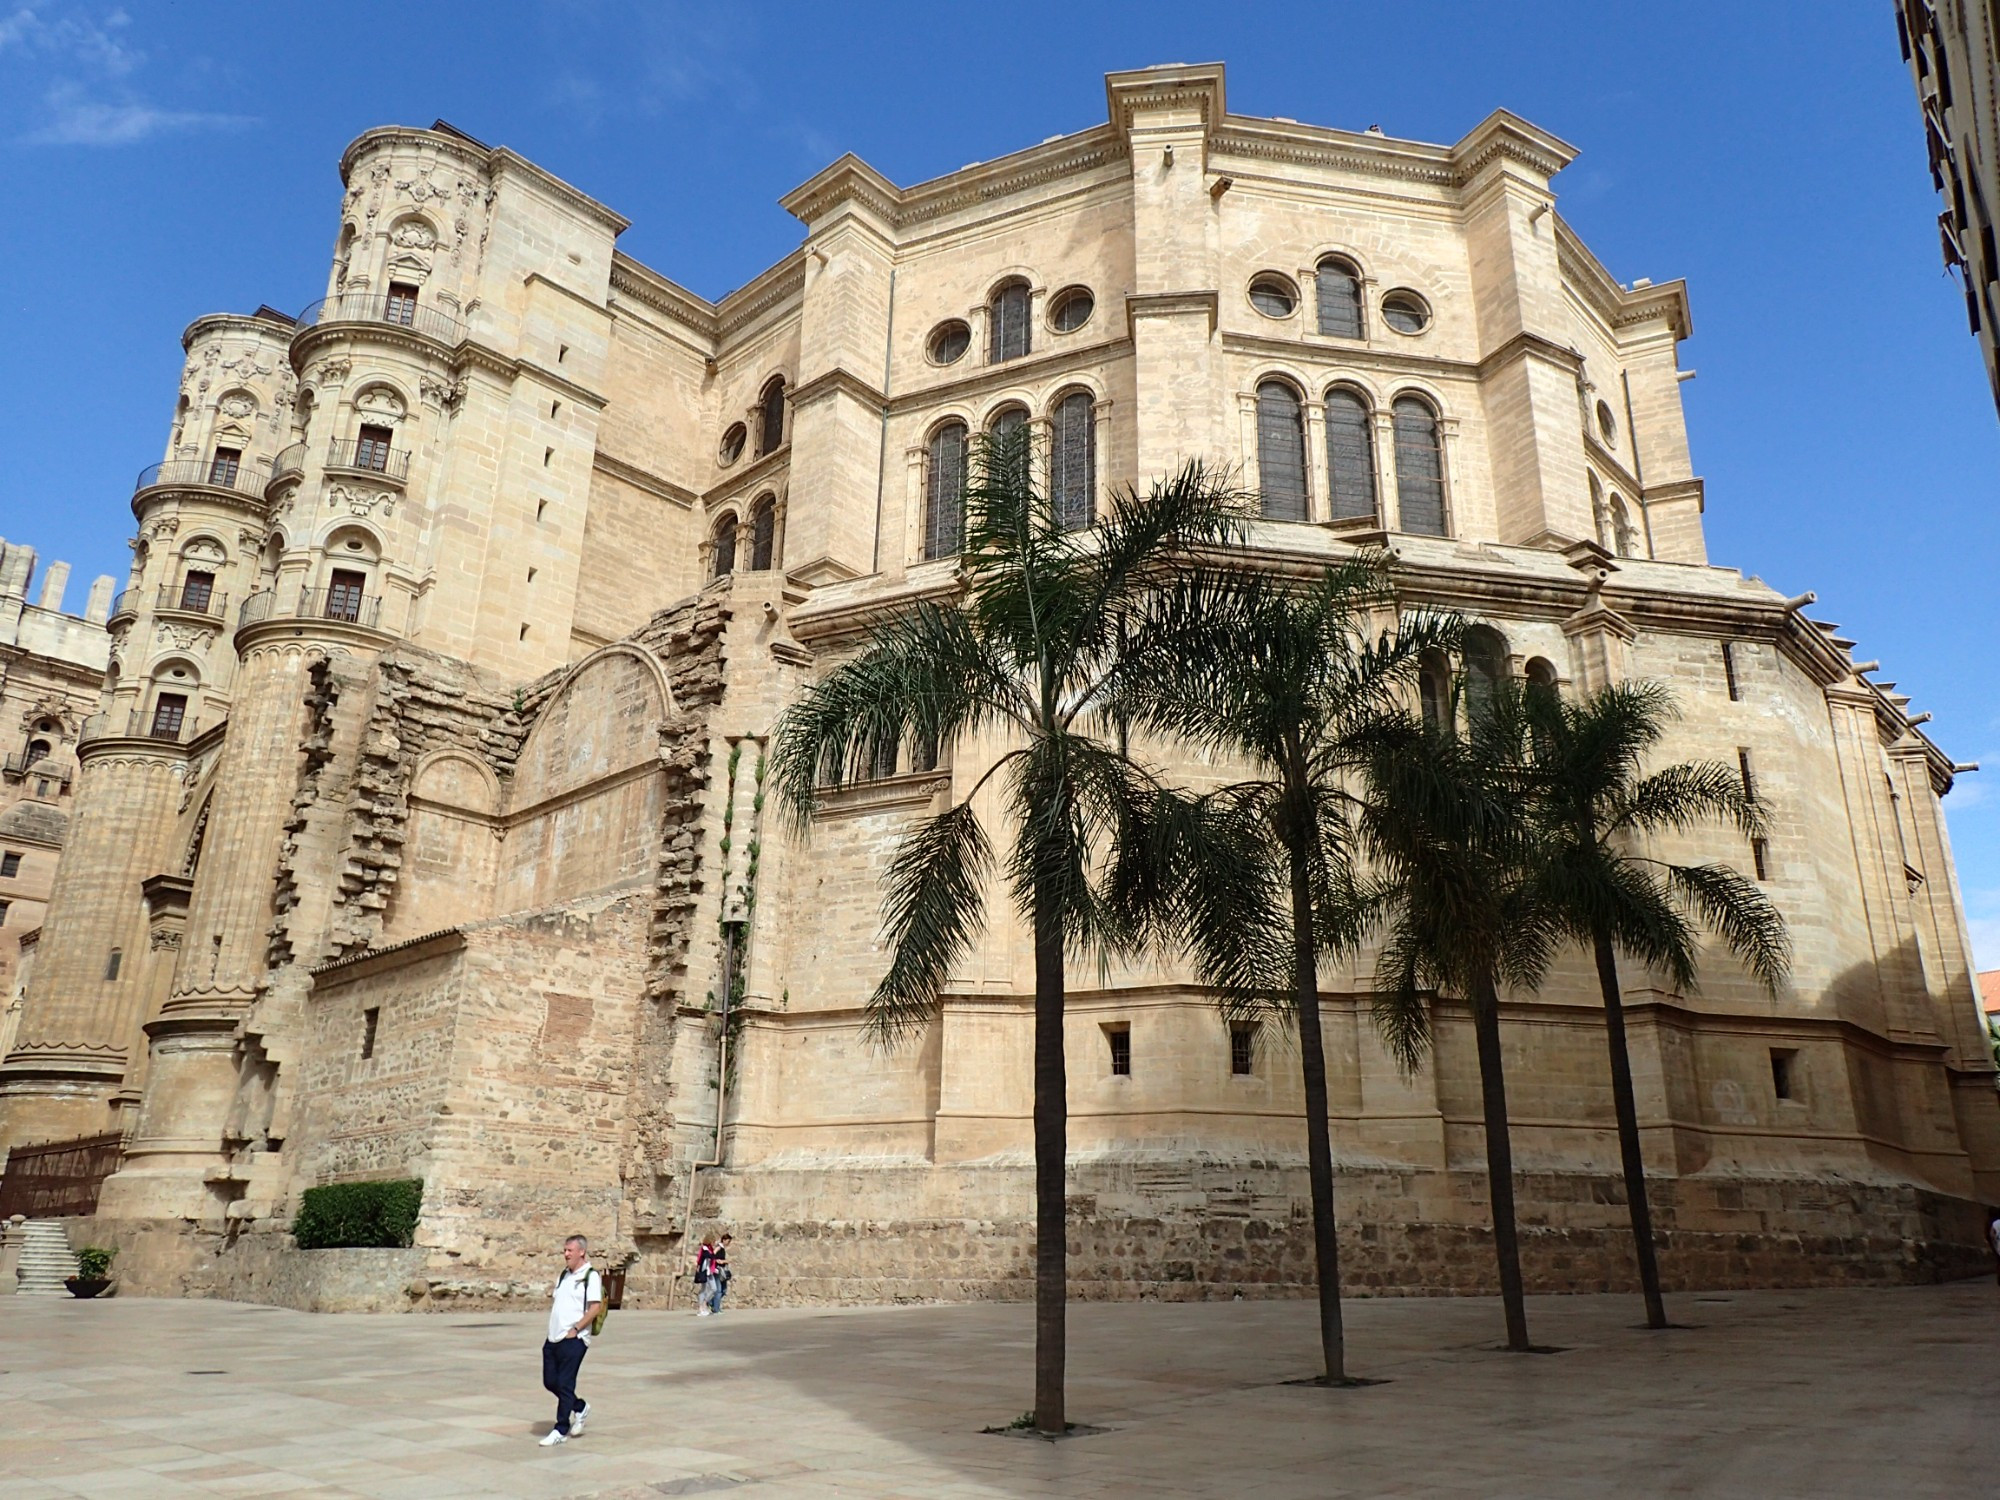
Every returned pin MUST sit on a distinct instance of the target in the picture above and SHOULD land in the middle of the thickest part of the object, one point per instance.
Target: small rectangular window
(1242, 1049)
(197, 590)
(1743, 770)
(1729, 671)
(114, 963)
(169, 716)
(223, 468)
(369, 1019)
(3, 912)
(1119, 1040)
(10, 865)
(402, 304)
(1760, 856)
(1784, 1072)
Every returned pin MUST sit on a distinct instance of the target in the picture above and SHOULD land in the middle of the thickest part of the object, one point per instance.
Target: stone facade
(51, 673)
(1953, 52)
(435, 848)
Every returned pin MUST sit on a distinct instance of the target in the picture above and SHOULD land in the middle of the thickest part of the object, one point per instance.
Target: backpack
(701, 1266)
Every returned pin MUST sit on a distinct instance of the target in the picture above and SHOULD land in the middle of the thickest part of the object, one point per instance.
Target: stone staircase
(45, 1260)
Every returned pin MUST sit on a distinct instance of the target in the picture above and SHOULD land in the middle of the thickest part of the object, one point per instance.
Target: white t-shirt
(575, 1290)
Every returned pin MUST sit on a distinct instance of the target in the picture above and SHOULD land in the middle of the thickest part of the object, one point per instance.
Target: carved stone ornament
(239, 405)
(245, 365)
(412, 234)
(161, 940)
(333, 371)
(183, 637)
(379, 403)
(360, 502)
(443, 393)
(163, 527)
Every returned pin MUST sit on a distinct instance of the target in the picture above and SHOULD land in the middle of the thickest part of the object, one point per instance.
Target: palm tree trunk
(1319, 1141)
(1051, 1158)
(1628, 1133)
(1499, 1160)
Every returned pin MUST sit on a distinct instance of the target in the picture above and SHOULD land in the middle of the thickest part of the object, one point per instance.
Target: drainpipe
(714, 1159)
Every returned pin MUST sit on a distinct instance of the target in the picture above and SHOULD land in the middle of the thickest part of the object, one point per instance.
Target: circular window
(948, 342)
(1607, 425)
(1072, 309)
(1406, 312)
(732, 444)
(1273, 295)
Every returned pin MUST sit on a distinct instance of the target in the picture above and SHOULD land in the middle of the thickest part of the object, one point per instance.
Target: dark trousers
(561, 1359)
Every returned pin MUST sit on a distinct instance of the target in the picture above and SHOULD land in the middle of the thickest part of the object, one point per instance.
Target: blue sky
(165, 160)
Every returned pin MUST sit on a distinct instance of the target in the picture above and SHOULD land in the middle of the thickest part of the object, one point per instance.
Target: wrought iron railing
(400, 312)
(369, 456)
(179, 597)
(289, 461)
(124, 602)
(144, 725)
(21, 763)
(342, 604)
(244, 479)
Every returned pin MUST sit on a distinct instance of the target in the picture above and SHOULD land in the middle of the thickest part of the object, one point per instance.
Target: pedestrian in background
(718, 1275)
(576, 1301)
(703, 1257)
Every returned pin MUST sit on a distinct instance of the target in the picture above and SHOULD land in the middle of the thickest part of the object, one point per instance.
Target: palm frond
(1684, 797)
(933, 910)
(1739, 913)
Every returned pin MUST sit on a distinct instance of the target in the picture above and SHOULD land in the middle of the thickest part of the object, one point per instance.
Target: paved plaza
(1768, 1394)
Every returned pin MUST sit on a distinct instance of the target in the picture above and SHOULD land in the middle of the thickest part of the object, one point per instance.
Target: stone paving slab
(1768, 1395)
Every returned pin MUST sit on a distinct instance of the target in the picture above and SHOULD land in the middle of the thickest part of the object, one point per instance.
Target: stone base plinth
(1155, 1230)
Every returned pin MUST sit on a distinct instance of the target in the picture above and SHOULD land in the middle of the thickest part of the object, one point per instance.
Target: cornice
(1349, 354)
(650, 289)
(1618, 307)
(342, 971)
(643, 479)
(839, 381)
(1340, 150)
(740, 308)
(457, 147)
(1013, 372)
(851, 179)
(759, 472)
(506, 162)
(275, 326)
(474, 356)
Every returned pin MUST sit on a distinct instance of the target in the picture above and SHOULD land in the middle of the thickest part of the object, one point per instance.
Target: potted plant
(93, 1265)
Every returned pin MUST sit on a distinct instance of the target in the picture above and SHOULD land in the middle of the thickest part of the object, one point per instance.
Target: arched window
(1009, 429)
(1419, 467)
(1434, 689)
(1281, 452)
(723, 542)
(1350, 456)
(1485, 668)
(1009, 316)
(37, 750)
(763, 533)
(1600, 516)
(1624, 536)
(1339, 293)
(1073, 461)
(771, 416)
(1541, 673)
(944, 492)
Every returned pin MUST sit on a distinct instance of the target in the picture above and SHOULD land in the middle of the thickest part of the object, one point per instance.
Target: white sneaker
(576, 1421)
(703, 1313)
(554, 1437)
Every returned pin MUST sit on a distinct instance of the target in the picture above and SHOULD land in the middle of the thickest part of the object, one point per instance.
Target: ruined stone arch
(455, 777)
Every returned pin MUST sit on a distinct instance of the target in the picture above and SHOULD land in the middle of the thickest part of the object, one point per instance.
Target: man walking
(578, 1297)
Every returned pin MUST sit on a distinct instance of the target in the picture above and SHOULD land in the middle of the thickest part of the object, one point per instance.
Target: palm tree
(1255, 879)
(1037, 649)
(1444, 824)
(1595, 807)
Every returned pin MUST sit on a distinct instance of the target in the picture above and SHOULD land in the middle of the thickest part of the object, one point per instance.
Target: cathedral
(422, 831)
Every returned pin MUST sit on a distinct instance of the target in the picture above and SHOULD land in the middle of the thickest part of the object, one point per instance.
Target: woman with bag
(703, 1265)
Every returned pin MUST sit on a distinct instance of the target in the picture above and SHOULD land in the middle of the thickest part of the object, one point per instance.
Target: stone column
(70, 1055)
(192, 1074)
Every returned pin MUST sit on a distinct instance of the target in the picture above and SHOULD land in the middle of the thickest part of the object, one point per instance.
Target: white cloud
(85, 65)
(77, 120)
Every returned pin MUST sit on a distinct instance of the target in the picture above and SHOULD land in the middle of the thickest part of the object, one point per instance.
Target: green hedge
(349, 1215)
